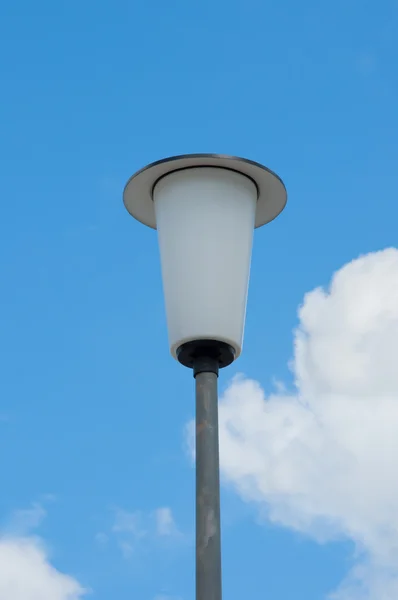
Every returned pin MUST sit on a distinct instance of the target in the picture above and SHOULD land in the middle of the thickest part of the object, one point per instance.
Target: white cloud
(25, 569)
(134, 529)
(101, 539)
(165, 524)
(324, 459)
(22, 521)
(130, 529)
(126, 548)
(26, 573)
(129, 522)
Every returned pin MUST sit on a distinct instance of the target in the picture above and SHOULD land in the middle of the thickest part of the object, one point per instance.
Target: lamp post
(205, 208)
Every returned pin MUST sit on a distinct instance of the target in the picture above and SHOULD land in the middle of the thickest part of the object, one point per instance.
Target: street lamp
(205, 208)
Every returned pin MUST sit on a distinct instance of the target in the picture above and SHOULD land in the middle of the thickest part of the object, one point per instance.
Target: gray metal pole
(208, 526)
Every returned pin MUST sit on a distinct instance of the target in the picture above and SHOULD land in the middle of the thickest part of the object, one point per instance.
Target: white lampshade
(205, 209)
(205, 221)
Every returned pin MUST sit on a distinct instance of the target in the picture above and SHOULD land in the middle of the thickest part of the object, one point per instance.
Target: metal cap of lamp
(205, 208)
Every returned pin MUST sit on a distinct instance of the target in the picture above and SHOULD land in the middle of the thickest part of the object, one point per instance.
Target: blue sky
(96, 475)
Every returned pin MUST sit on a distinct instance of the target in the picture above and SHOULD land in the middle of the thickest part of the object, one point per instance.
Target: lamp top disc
(138, 193)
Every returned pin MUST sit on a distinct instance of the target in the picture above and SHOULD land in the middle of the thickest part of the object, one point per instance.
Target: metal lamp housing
(205, 209)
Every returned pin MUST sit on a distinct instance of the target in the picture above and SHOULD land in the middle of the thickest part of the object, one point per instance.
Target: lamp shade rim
(138, 192)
